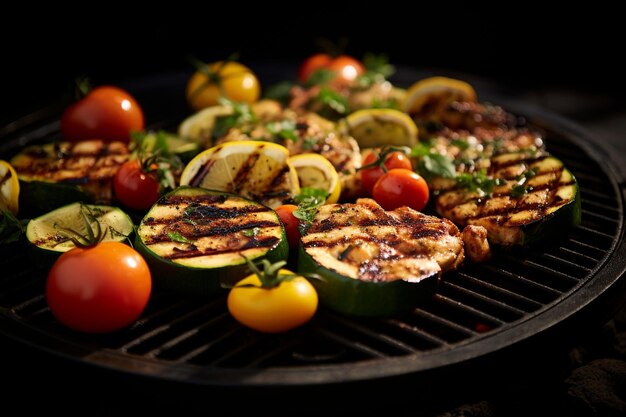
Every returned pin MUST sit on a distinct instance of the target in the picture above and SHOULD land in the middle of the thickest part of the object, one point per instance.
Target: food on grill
(475, 243)
(101, 288)
(378, 127)
(268, 121)
(254, 169)
(9, 188)
(315, 171)
(272, 299)
(56, 174)
(106, 113)
(50, 234)
(166, 145)
(376, 263)
(221, 80)
(193, 239)
(519, 197)
(430, 98)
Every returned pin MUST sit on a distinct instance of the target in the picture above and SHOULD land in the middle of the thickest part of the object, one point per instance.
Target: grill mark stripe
(268, 242)
(7, 176)
(201, 174)
(245, 170)
(210, 231)
(220, 214)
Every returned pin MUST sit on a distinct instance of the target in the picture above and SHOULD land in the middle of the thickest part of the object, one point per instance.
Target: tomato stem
(82, 240)
(270, 275)
(381, 156)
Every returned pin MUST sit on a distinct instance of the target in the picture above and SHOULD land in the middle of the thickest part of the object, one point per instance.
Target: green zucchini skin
(40, 197)
(554, 225)
(355, 297)
(187, 279)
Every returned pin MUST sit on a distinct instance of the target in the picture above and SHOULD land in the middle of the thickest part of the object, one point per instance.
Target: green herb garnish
(177, 237)
(309, 200)
(431, 164)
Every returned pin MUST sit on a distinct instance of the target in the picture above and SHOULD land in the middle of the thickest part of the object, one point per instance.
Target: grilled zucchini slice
(535, 199)
(56, 174)
(195, 240)
(377, 263)
(48, 242)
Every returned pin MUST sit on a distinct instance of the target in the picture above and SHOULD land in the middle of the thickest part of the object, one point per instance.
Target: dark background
(525, 47)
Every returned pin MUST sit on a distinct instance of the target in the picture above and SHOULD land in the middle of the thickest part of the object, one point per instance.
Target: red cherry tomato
(135, 188)
(108, 113)
(346, 68)
(394, 160)
(291, 223)
(99, 289)
(312, 64)
(401, 187)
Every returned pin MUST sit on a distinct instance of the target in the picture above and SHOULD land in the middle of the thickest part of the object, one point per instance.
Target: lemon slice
(432, 95)
(379, 127)
(257, 170)
(199, 126)
(9, 188)
(315, 171)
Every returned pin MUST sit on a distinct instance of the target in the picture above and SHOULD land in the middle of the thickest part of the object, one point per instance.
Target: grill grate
(479, 300)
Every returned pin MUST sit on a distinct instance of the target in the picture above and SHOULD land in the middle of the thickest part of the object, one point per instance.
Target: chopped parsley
(309, 200)
(431, 164)
(478, 182)
(177, 237)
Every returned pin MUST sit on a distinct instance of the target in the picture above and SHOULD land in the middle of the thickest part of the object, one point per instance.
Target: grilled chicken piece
(365, 242)
(90, 164)
(476, 244)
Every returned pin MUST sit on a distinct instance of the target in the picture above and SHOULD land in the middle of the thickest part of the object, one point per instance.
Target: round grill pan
(482, 309)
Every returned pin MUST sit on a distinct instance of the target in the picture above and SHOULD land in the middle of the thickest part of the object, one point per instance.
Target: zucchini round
(356, 297)
(195, 239)
(48, 242)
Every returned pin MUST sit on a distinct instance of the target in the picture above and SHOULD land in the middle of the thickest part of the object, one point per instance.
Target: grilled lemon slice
(378, 127)
(9, 188)
(315, 171)
(432, 95)
(257, 170)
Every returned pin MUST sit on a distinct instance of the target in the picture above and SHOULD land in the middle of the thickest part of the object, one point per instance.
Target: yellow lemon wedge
(199, 126)
(431, 95)
(9, 188)
(378, 127)
(257, 170)
(315, 171)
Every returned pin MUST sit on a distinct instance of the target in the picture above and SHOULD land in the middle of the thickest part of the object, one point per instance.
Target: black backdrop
(578, 49)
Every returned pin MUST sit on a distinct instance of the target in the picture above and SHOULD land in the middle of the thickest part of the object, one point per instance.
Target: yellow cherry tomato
(230, 80)
(272, 310)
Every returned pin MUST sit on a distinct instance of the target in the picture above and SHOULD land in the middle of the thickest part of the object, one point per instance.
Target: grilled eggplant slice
(195, 240)
(377, 263)
(533, 198)
(57, 174)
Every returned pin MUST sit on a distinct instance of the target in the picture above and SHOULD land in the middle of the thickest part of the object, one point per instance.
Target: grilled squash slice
(57, 174)
(48, 242)
(195, 240)
(534, 198)
(377, 263)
